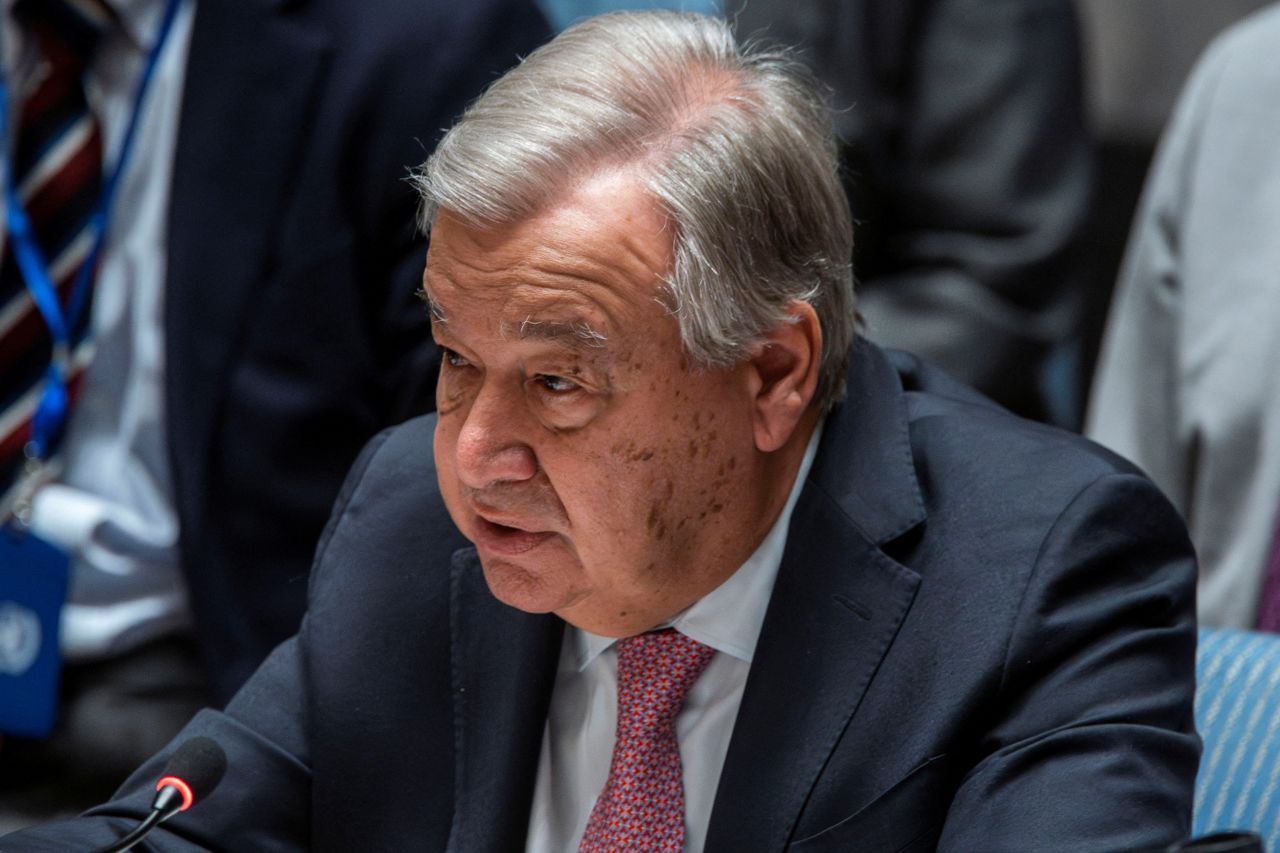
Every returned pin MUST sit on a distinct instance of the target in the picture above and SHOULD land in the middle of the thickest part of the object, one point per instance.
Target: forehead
(595, 259)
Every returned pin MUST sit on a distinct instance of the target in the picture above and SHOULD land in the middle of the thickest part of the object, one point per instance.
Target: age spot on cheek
(708, 442)
(630, 453)
(655, 522)
(644, 454)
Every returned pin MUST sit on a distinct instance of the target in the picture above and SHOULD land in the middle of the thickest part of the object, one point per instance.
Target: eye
(452, 358)
(556, 384)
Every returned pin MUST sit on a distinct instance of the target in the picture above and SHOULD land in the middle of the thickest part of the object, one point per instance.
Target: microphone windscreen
(199, 762)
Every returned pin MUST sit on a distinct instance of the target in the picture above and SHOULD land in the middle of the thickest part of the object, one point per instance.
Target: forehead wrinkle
(538, 278)
(577, 261)
(538, 281)
(618, 275)
(541, 312)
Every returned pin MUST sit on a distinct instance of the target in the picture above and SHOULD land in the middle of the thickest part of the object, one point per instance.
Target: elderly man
(735, 581)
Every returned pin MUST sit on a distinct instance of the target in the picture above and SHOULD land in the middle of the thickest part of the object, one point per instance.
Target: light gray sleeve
(1134, 408)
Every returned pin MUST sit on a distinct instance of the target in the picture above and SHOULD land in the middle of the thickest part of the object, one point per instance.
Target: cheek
(701, 470)
(644, 498)
(660, 467)
(443, 444)
(444, 441)
(608, 493)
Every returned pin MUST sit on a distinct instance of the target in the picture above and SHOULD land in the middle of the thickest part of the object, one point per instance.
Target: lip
(507, 540)
(503, 518)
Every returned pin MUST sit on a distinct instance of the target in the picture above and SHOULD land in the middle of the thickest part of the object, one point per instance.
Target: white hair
(734, 142)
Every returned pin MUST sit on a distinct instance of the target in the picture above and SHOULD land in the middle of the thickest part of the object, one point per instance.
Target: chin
(526, 588)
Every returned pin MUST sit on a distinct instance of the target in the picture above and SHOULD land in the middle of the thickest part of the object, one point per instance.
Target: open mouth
(506, 540)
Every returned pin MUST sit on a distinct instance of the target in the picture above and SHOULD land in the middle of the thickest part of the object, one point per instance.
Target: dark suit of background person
(1187, 384)
(981, 638)
(292, 330)
(970, 172)
(293, 327)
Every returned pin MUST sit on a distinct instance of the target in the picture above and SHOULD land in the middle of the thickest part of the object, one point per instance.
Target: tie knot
(69, 31)
(657, 669)
(641, 808)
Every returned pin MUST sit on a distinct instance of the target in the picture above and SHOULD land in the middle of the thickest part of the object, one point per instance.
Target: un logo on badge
(19, 638)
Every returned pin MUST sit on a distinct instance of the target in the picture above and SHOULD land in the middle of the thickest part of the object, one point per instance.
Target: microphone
(192, 773)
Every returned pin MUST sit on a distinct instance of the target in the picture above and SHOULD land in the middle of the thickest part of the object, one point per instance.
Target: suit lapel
(504, 665)
(251, 78)
(835, 611)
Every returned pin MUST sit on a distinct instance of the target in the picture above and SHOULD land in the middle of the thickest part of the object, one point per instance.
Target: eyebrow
(433, 307)
(575, 334)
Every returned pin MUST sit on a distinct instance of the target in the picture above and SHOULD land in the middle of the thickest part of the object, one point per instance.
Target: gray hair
(734, 142)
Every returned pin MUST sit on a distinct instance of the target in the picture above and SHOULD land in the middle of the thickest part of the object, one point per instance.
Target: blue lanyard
(52, 410)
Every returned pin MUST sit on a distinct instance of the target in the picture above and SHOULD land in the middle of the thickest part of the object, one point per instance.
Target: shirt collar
(729, 618)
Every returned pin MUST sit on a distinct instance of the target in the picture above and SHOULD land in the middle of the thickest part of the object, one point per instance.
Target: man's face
(597, 474)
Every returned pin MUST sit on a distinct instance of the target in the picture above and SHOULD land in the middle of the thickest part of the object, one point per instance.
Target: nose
(490, 448)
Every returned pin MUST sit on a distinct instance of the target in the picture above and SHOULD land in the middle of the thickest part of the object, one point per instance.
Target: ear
(784, 376)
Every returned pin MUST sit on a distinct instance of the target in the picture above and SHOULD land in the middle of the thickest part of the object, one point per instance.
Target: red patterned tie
(642, 805)
(57, 169)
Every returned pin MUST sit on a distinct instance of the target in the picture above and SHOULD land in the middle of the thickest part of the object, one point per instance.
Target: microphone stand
(168, 802)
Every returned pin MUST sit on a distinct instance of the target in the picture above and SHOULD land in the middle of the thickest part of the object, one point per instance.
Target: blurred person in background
(177, 422)
(1188, 384)
(970, 171)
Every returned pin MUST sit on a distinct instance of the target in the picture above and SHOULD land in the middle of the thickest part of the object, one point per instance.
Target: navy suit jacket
(292, 332)
(981, 638)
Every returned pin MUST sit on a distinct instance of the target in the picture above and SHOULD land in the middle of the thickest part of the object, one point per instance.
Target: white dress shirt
(577, 743)
(112, 508)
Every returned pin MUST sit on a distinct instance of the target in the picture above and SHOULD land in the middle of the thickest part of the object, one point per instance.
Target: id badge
(33, 588)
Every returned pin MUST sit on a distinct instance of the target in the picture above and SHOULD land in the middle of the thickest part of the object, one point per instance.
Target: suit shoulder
(398, 454)
(397, 474)
(390, 510)
(960, 437)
